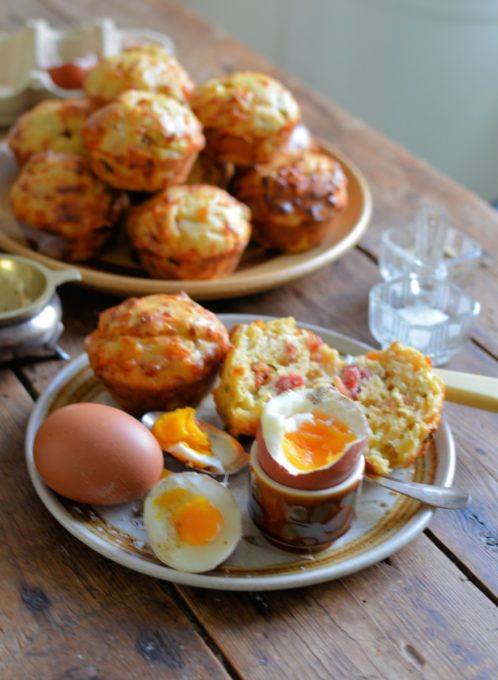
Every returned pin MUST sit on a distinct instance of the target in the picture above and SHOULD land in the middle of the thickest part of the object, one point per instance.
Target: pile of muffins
(193, 173)
(161, 352)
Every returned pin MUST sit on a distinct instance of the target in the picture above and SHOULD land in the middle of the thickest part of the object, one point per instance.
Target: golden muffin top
(245, 103)
(58, 192)
(141, 122)
(294, 187)
(143, 67)
(196, 220)
(157, 339)
(52, 124)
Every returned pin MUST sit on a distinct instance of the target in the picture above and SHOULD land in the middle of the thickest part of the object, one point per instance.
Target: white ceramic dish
(385, 522)
(26, 55)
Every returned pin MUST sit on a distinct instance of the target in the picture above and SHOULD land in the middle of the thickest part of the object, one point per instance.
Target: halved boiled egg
(193, 521)
(197, 444)
(311, 438)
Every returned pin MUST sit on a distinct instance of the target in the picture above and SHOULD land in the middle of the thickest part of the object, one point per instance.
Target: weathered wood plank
(414, 615)
(66, 611)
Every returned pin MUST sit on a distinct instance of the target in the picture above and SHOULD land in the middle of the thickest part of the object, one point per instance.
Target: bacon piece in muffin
(141, 67)
(58, 193)
(293, 199)
(266, 359)
(143, 141)
(52, 124)
(190, 232)
(159, 352)
(247, 117)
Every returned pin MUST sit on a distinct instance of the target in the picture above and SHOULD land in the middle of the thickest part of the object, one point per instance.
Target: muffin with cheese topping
(143, 141)
(247, 117)
(267, 358)
(293, 199)
(141, 67)
(402, 399)
(190, 232)
(57, 193)
(159, 352)
(52, 124)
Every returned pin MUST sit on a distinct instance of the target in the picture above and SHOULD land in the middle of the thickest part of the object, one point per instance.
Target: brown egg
(97, 454)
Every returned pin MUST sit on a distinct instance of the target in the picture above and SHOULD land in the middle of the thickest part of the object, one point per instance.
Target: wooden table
(429, 611)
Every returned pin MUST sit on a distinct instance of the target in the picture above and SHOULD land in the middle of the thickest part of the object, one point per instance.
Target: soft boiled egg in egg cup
(306, 468)
(193, 521)
(196, 444)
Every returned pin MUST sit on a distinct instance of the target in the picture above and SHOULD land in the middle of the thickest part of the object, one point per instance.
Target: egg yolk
(181, 426)
(316, 443)
(196, 520)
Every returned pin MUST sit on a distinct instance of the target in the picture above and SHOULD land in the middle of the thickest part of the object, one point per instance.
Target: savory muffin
(207, 170)
(52, 124)
(141, 67)
(143, 141)
(58, 193)
(267, 358)
(159, 352)
(402, 399)
(247, 117)
(293, 199)
(190, 232)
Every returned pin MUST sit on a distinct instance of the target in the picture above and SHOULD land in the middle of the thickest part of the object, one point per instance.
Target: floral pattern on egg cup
(302, 521)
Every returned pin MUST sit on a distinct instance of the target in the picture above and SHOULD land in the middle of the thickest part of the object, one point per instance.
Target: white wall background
(425, 72)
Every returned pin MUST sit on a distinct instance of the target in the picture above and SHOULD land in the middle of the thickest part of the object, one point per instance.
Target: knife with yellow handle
(476, 391)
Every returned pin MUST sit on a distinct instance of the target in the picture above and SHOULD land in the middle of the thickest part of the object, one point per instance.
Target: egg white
(162, 533)
(286, 412)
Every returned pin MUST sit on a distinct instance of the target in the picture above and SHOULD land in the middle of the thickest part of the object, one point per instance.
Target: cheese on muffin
(59, 194)
(293, 199)
(246, 116)
(159, 352)
(52, 124)
(190, 232)
(267, 358)
(142, 67)
(143, 141)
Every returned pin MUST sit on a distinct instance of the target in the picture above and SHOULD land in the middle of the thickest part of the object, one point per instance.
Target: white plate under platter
(385, 522)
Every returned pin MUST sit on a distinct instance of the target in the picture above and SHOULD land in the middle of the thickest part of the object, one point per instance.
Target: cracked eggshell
(25, 56)
(272, 428)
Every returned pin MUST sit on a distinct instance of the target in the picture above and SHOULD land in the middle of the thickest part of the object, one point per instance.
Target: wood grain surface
(429, 611)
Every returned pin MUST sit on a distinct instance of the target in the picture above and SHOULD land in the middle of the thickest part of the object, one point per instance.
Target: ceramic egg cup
(298, 520)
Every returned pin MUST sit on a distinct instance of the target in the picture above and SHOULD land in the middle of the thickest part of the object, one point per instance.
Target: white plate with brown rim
(385, 521)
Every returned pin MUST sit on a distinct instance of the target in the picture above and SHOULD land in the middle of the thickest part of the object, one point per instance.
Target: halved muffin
(193, 231)
(143, 141)
(52, 124)
(58, 193)
(159, 352)
(293, 199)
(267, 358)
(147, 67)
(247, 117)
(402, 399)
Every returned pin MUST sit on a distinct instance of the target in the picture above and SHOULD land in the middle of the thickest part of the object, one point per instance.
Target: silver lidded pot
(30, 309)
